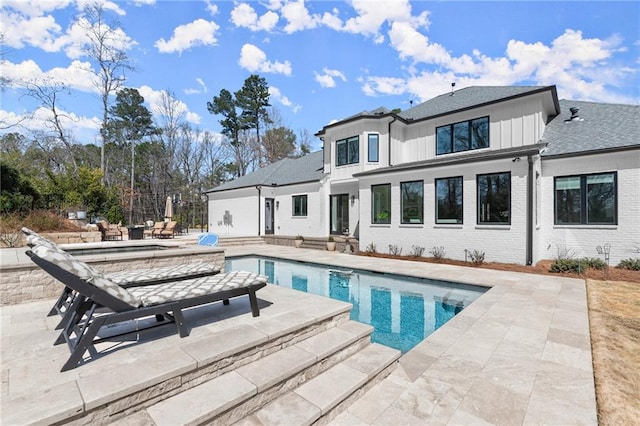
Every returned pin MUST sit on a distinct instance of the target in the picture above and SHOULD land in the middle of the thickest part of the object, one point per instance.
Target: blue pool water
(402, 310)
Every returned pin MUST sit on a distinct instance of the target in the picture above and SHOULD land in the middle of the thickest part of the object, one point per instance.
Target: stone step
(326, 395)
(234, 395)
(240, 241)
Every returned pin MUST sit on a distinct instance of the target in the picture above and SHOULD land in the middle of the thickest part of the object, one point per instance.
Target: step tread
(318, 396)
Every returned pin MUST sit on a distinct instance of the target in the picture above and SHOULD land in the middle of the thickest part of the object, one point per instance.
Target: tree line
(141, 158)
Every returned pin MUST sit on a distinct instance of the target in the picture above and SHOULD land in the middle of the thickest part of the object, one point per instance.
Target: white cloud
(298, 17)
(38, 121)
(154, 98)
(373, 14)
(328, 76)
(276, 95)
(78, 75)
(202, 89)
(37, 31)
(243, 15)
(255, 60)
(196, 33)
(212, 8)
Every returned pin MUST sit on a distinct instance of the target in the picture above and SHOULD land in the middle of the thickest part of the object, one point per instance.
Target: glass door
(339, 205)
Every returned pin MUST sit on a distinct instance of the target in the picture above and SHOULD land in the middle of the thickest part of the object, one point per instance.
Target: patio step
(240, 241)
(325, 396)
(322, 371)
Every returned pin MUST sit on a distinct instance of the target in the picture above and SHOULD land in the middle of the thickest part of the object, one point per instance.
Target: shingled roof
(288, 171)
(598, 127)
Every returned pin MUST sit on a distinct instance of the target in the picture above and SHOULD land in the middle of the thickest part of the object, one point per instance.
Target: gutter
(389, 137)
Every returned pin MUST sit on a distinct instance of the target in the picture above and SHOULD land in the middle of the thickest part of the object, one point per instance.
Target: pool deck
(519, 354)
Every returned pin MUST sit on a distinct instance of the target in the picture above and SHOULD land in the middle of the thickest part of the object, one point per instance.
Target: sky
(323, 60)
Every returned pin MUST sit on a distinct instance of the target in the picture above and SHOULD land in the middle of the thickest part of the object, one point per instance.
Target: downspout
(259, 188)
(389, 137)
(530, 206)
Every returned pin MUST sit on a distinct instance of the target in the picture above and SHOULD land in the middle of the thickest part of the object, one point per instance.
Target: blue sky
(323, 60)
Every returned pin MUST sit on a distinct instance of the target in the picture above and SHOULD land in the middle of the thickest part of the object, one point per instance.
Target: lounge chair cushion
(68, 263)
(180, 290)
(143, 277)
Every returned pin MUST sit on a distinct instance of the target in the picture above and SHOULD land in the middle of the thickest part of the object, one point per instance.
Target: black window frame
(349, 143)
(402, 207)
(584, 199)
(471, 141)
(480, 212)
(304, 206)
(448, 221)
(376, 218)
(377, 147)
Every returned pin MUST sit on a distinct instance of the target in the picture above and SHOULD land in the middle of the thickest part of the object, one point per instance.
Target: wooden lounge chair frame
(85, 323)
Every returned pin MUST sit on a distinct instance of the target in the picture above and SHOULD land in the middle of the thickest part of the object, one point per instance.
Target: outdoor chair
(157, 228)
(124, 279)
(109, 232)
(103, 303)
(168, 231)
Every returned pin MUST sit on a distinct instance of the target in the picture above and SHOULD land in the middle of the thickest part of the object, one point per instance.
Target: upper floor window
(412, 201)
(586, 199)
(299, 205)
(348, 151)
(463, 136)
(372, 148)
(494, 198)
(381, 204)
(449, 200)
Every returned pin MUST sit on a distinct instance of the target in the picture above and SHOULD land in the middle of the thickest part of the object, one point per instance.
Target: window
(463, 136)
(348, 151)
(381, 204)
(299, 205)
(412, 201)
(372, 150)
(449, 200)
(494, 198)
(586, 199)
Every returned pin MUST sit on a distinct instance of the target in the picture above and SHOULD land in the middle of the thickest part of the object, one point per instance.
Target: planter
(331, 245)
(298, 243)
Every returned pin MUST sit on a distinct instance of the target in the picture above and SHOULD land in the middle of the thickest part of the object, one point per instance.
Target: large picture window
(463, 136)
(348, 151)
(494, 198)
(449, 200)
(372, 148)
(412, 201)
(586, 199)
(299, 205)
(381, 204)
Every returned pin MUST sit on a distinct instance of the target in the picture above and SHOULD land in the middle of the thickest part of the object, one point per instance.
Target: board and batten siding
(242, 205)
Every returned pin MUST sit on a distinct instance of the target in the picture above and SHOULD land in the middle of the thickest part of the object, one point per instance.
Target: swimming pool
(402, 310)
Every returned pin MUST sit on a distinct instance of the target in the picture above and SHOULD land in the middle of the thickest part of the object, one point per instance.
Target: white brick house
(508, 171)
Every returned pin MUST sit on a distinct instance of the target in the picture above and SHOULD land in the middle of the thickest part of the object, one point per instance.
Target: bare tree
(48, 94)
(104, 47)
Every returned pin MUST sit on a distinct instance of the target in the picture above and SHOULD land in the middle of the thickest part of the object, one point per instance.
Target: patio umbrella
(168, 209)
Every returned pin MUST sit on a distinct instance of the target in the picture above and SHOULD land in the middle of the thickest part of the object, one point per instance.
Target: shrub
(371, 248)
(437, 252)
(416, 251)
(395, 250)
(477, 257)
(330, 239)
(567, 265)
(299, 237)
(595, 263)
(631, 264)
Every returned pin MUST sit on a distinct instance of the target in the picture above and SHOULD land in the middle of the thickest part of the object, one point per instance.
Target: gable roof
(288, 171)
(599, 127)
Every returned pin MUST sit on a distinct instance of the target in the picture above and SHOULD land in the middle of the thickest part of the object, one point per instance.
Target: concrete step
(240, 241)
(322, 398)
(232, 396)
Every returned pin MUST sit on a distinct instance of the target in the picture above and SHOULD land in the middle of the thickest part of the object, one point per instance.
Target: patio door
(268, 215)
(339, 206)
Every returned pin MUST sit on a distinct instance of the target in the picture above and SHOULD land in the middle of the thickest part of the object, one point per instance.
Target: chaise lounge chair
(164, 301)
(169, 231)
(125, 279)
(109, 232)
(157, 228)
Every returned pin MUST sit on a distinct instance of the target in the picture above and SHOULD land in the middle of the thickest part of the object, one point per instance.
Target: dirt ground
(614, 322)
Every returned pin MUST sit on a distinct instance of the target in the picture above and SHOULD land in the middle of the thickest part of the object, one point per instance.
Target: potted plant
(331, 243)
(298, 241)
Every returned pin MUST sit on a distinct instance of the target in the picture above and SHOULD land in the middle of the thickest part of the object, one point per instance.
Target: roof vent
(574, 115)
(452, 86)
